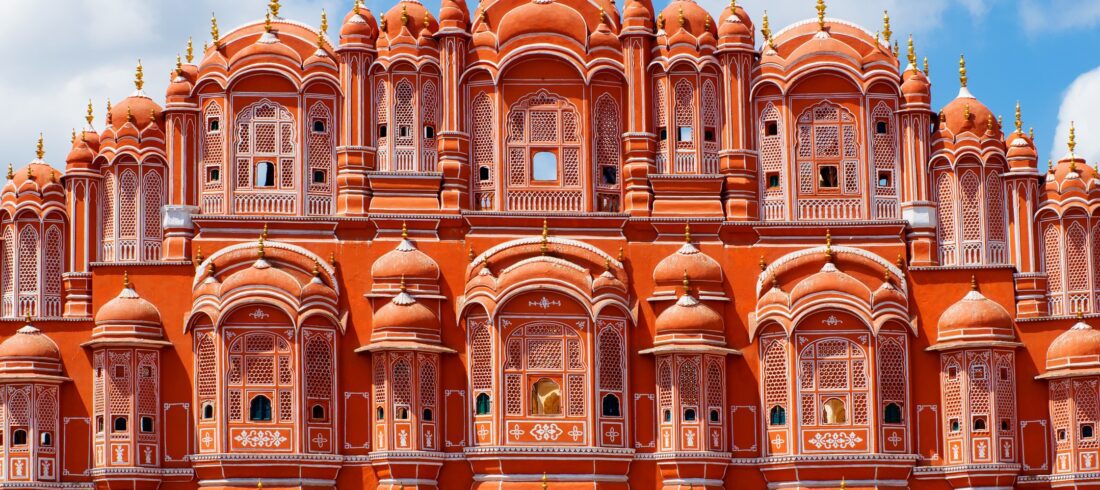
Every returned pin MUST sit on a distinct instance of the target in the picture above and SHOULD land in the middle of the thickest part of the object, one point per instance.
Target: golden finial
(828, 245)
(896, 48)
(926, 67)
(766, 29)
(382, 24)
(427, 19)
(821, 14)
(681, 18)
(1019, 119)
(139, 76)
(129, 114)
(1031, 133)
(264, 232)
(545, 237)
(402, 286)
(214, 29)
(267, 22)
(358, 6)
(733, 6)
(484, 16)
(886, 276)
(607, 264)
(544, 481)
(763, 263)
(962, 71)
(973, 283)
(706, 23)
(109, 110)
(1080, 313)
(775, 282)
(687, 232)
(966, 111)
(886, 32)
(404, 15)
(30, 173)
(470, 254)
(53, 176)
(687, 283)
(211, 269)
(259, 484)
(273, 7)
(603, 16)
(11, 173)
(260, 247)
(332, 258)
(190, 50)
(843, 483)
(39, 149)
(900, 262)
(179, 64)
(73, 139)
(878, 39)
(125, 279)
(27, 318)
(198, 254)
(1072, 143)
(620, 257)
(88, 116)
(661, 21)
(989, 122)
(404, 230)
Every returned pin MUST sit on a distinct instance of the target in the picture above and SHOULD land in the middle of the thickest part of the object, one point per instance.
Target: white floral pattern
(260, 438)
(546, 432)
(835, 440)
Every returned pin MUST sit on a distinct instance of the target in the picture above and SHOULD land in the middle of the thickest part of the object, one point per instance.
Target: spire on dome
(11, 173)
(190, 50)
(273, 7)
(886, 32)
(687, 232)
(926, 72)
(973, 282)
(766, 31)
(214, 30)
(912, 53)
(260, 247)
(821, 15)
(687, 284)
(404, 230)
(88, 116)
(323, 30)
(544, 246)
(39, 149)
(179, 64)
(109, 111)
(828, 245)
(1072, 143)
(962, 71)
(1019, 119)
(267, 22)
(358, 6)
(405, 15)
(126, 279)
(139, 76)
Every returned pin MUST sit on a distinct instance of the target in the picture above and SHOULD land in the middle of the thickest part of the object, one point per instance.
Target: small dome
(453, 14)
(29, 343)
(262, 274)
(1078, 347)
(405, 261)
(888, 293)
(128, 308)
(966, 114)
(359, 26)
(689, 316)
(603, 38)
(915, 87)
(607, 280)
(81, 155)
(411, 15)
(687, 260)
(1021, 148)
(40, 173)
(830, 280)
(737, 25)
(138, 108)
(543, 18)
(404, 317)
(975, 318)
(774, 297)
(267, 45)
(637, 14)
(688, 17)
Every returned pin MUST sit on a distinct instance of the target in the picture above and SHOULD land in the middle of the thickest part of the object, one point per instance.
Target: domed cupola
(453, 15)
(405, 263)
(735, 26)
(29, 354)
(1075, 352)
(1071, 176)
(689, 317)
(1021, 152)
(405, 319)
(85, 145)
(37, 184)
(321, 58)
(687, 27)
(183, 77)
(703, 270)
(966, 114)
(484, 37)
(407, 24)
(266, 49)
(975, 320)
(128, 318)
(135, 121)
(603, 37)
(638, 15)
(359, 26)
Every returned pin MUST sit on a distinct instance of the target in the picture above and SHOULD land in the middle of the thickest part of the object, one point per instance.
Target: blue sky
(1043, 53)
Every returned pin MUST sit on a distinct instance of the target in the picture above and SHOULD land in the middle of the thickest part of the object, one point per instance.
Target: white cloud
(1039, 16)
(1081, 105)
(58, 56)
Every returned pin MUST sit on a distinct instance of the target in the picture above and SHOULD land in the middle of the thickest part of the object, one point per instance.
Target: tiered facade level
(550, 245)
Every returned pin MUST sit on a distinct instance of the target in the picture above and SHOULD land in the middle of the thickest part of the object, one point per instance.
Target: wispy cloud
(1080, 105)
(1039, 16)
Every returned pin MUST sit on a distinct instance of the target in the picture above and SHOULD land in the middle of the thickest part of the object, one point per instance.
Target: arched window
(259, 409)
(483, 141)
(147, 424)
(317, 412)
(482, 404)
(120, 424)
(543, 154)
(45, 439)
(426, 416)
(611, 406)
(19, 437)
(891, 414)
(833, 412)
(945, 198)
(380, 413)
(546, 397)
(689, 415)
(715, 416)
(979, 424)
(265, 174)
(777, 416)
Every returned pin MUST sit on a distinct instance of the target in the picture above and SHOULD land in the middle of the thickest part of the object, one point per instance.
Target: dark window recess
(979, 424)
(881, 127)
(483, 404)
(827, 177)
(99, 424)
(708, 134)
(1004, 425)
(19, 438)
(429, 132)
(714, 416)
(317, 413)
(609, 175)
(147, 424)
(1087, 431)
(1061, 434)
(318, 126)
(380, 413)
(771, 128)
(265, 174)
(403, 131)
(777, 416)
(208, 411)
(120, 424)
(427, 415)
(955, 426)
(45, 439)
(213, 174)
(668, 416)
(318, 176)
(884, 179)
(892, 414)
(382, 131)
(611, 406)
(402, 413)
(259, 409)
(689, 415)
(773, 180)
(483, 173)
(215, 125)
(662, 133)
